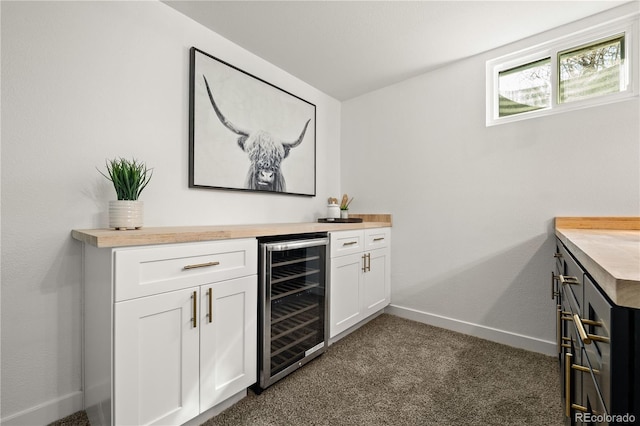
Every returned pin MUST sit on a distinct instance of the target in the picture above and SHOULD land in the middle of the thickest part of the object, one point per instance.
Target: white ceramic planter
(333, 211)
(126, 214)
(344, 214)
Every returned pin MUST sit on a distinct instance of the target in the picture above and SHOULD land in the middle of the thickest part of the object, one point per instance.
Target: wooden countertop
(609, 249)
(186, 234)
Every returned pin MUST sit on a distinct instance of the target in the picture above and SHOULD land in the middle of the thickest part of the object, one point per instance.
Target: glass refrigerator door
(296, 292)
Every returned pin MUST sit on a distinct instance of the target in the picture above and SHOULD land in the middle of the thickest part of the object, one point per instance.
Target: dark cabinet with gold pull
(598, 348)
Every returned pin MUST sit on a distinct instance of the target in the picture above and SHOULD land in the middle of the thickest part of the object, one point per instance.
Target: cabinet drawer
(346, 242)
(376, 238)
(151, 270)
(572, 277)
(597, 313)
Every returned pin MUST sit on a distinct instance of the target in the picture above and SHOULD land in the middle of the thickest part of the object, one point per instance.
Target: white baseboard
(47, 412)
(488, 333)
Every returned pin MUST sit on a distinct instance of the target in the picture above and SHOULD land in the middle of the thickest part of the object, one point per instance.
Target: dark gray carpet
(394, 371)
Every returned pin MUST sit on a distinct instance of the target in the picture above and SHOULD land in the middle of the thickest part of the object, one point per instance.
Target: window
(593, 70)
(576, 71)
(525, 88)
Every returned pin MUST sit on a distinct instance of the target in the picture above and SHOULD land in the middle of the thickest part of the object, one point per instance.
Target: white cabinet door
(345, 294)
(156, 356)
(376, 288)
(228, 339)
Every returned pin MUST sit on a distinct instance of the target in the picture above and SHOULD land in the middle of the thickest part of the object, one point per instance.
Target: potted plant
(129, 178)
(344, 206)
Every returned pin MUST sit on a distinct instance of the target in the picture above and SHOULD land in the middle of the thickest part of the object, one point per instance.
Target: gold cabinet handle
(567, 384)
(557, 255)
(201, 265)
(366, 262)
(581, 331)
(195, 309)
(568, 280)
(554, 278)
(568, 405)
(587, 338)
(378, 239)
(597, 338)
(210, 292)
(558, 327)
(349, 243)
(585, 369)
(591, 322)
(579, 408)
(568, 366)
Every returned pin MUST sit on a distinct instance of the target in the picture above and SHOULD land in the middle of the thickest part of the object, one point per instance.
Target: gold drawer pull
(557, 255)
(584, 336)
(200, 265)
(581, 331)
(584, 369)
(568, 280)
(567, 384)
(554, 278)
(592, 322)
(579, 408)
(378, 239)
(350, 243)
(558, 327)
(599, 338)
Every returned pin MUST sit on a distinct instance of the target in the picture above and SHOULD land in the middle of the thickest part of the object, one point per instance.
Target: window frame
(627, 26)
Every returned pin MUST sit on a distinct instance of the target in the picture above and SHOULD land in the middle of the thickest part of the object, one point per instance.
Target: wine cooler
(292, 304)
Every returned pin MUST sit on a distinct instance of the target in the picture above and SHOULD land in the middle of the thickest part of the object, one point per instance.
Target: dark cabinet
(598, 347)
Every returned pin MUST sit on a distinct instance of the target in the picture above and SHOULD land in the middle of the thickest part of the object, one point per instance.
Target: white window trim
(627, 25)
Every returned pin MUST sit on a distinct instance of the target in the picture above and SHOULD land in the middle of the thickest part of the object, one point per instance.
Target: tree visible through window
(592, 70)
(525, 88)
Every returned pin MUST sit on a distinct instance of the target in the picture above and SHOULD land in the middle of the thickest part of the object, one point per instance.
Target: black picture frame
(247, 134)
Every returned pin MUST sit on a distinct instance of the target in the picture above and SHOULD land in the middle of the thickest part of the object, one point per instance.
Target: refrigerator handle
(292, 245)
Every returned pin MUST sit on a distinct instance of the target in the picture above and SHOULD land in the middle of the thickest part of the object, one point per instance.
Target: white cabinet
(156, 356)
(345, 292)
(182, 328)
(228, 339)
(360, 276)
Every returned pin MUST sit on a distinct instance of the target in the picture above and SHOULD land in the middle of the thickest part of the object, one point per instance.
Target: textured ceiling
(347, 48)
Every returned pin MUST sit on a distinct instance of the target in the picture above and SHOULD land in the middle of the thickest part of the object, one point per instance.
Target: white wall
(472, 206)
(82, 82)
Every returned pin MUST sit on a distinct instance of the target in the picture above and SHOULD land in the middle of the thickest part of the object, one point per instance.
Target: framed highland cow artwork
(247, 134)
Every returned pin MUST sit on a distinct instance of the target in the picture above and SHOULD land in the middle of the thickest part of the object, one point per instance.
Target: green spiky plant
(129, 177)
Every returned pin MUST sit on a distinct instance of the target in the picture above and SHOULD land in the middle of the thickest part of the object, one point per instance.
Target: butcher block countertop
(609, 249)
(188, 234)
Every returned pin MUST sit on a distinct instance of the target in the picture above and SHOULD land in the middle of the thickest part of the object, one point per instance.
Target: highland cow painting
(247, 134)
